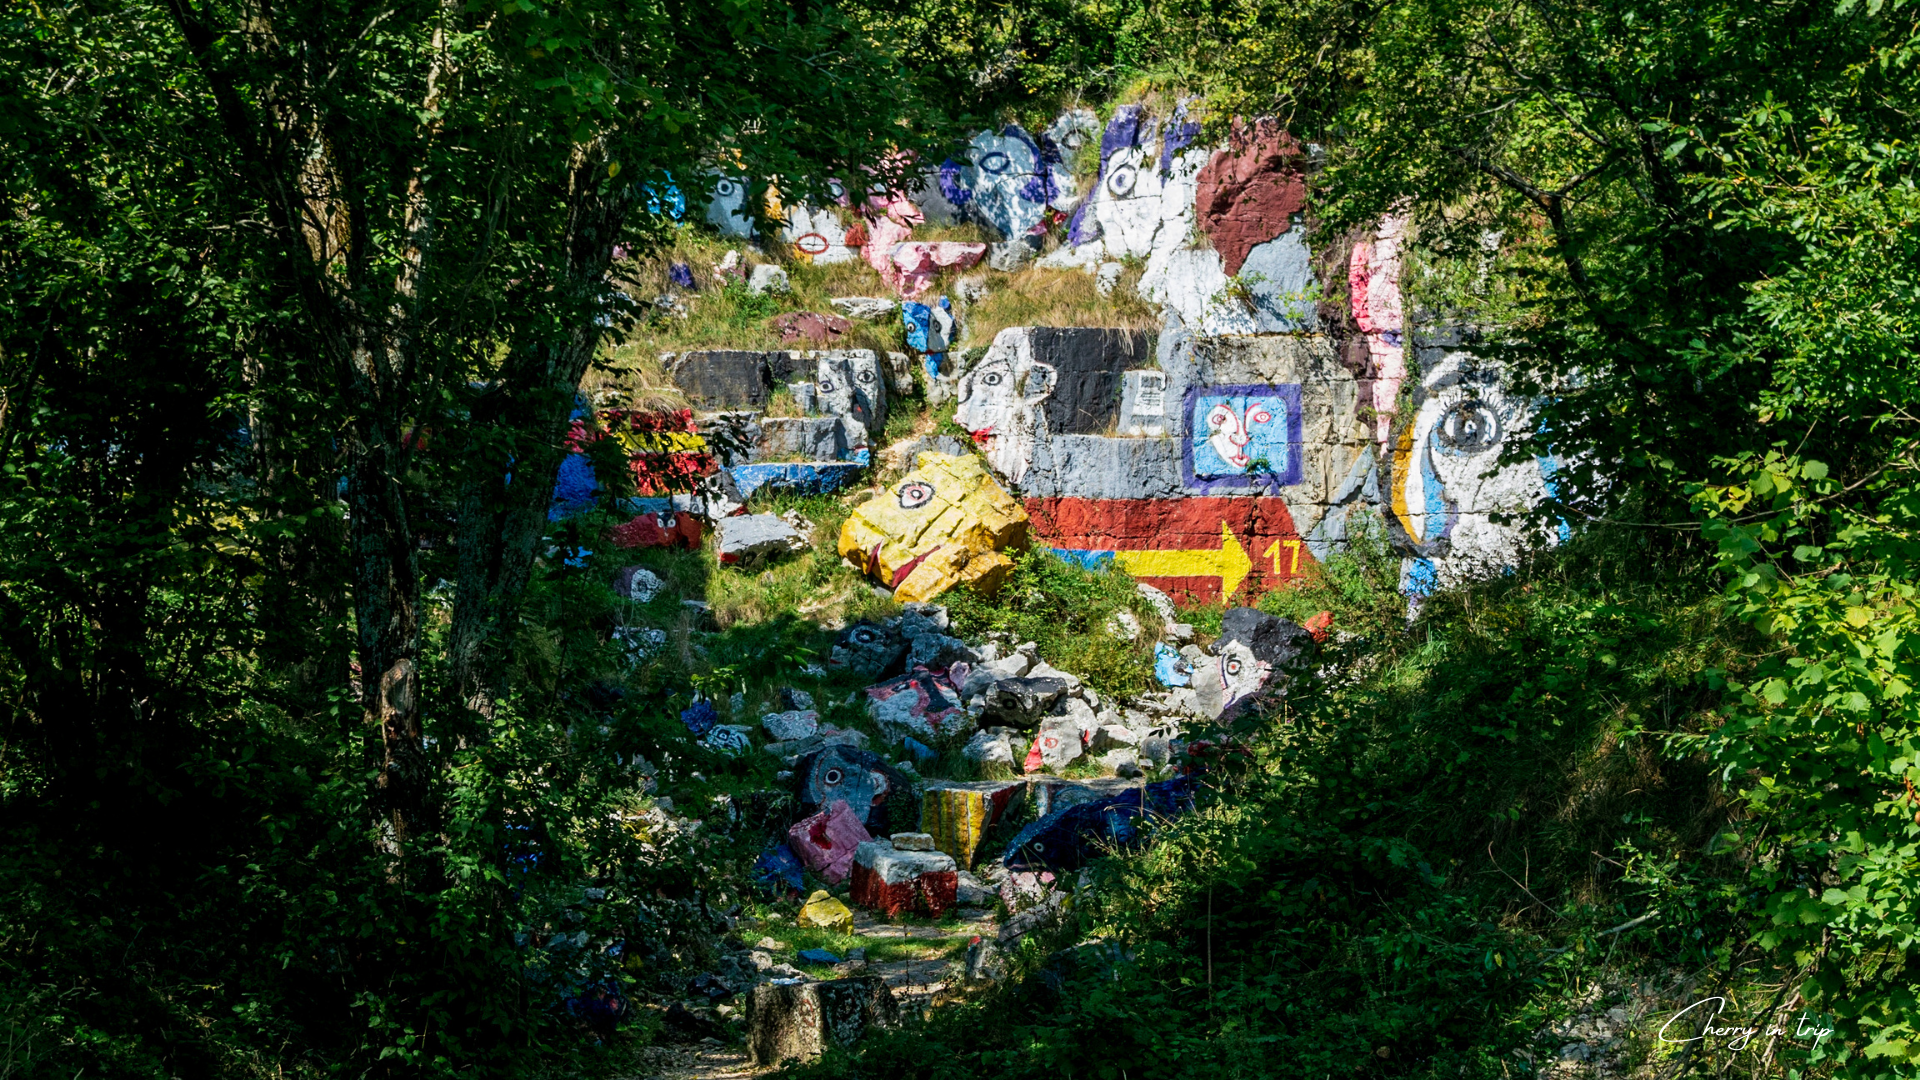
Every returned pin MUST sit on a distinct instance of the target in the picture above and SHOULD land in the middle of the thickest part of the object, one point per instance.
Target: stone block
(1100, 467)
(1020, 703)
(792, 751)
(891, 881)
(1059, 745)
(1270, 638)
(815, 438)
(1010, 255)
(810, 328)
(943, 524)
(1143, 403)
(1229, 680)
(826, 841)
(913, 841)
(959, 814)
(749, 540)
(806, 1020)
(939, 651)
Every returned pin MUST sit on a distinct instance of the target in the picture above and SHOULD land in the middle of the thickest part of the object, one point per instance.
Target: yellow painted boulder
(958, 813)
(823, 911)
(946, 523)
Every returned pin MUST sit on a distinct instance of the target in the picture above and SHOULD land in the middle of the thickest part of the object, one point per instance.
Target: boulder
(945, 523)
(1270, 638)
(970, 891)
(869, 650)
(805, 1020)
(991, 747)
(823, 912)
(795, 724)
(1060, 744)
(791, 751)
(880, 795)
(958, 814)
(730, 739)
(1226, 683)
(934, 650)
(1020, 703)
(826, 842)
(638, 584)
(1112, 737)
(649, 530)
(749, 540)
(800, 328)
(912, 841)
(865, 308)
(768, 278)
(891, 881)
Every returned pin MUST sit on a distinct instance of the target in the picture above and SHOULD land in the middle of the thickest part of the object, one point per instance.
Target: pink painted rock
(827, 841)
(811, 327)
(888, 880)
(1247, 195)
(914, 265)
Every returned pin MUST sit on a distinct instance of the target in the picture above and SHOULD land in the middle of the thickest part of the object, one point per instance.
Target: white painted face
(1230, 678)
(998, 404)
(1127, 205)
(1232, 432)
(727, 206)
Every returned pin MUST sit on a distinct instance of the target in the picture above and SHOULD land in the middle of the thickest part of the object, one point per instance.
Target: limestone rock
(921, 703)
(747, 541)
(1060, 745)
(638, 584)
(881, 796)
(912, 841)
(935, 650)
(1021, 702)
(991, 747)
(864, 308)
(1107, 277)
(768, 278)
(869, 650)
(805, 1020)
(945, 523)
(826, 843)
(800, 328)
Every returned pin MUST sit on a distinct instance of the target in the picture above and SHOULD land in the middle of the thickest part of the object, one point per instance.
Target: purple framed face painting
(1242, 438)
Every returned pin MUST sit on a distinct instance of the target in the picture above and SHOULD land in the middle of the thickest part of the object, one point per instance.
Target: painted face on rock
(999, 404)
(1232, 430)
(1449, 465)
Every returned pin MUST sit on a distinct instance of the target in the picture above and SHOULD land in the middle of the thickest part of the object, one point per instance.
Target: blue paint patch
(818, 956)
(1170, 667)
(667, 199)
(699, 717)
(575, 490)
(1245, 437)
(920, 751)
(804, 477)
(778, 871)
(1091, 560)
(1420, 578)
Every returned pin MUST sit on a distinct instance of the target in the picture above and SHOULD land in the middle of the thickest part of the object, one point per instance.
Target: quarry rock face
(944, 523)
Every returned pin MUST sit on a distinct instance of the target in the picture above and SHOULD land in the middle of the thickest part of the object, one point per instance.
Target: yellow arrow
(1230, 563)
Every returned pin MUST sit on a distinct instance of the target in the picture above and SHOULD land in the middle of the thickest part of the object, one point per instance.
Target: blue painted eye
(995, 163)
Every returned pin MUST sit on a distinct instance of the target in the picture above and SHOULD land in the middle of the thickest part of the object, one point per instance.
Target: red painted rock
(811, 327)
(891, 881)
(1247, 195)
(827, 841)
(1194, 550)
(680, 530)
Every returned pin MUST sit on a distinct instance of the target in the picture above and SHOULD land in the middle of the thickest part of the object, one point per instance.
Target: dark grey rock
(1088, 364)
(725, 378)
(870, 650)
(1097, 467)
(1020, 703)
(1269, 637)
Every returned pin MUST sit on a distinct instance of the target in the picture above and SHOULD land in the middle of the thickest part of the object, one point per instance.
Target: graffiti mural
(1010, 181)
(1194, 549)
(1243, 436)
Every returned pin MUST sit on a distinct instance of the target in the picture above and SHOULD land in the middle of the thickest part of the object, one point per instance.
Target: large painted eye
(993, 378)
(1120, 181)
(834, 776)
(1469, 427)
(836, 189)
(725, 189)
(915, 494)
(1258, 416)
(866, 635)
(827, 386)
(866, 376)
(1220, 416)
(812, 244)
(995, 163)
(1231, 665)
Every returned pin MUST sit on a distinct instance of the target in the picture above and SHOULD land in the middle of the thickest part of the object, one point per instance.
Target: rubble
(945, 523)
(922, 702)
(891, 881)
(805, 1020)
